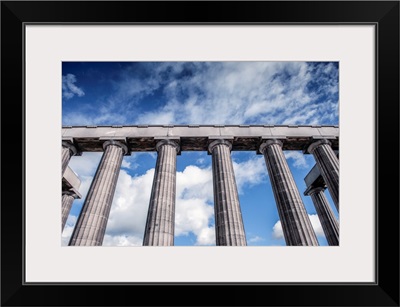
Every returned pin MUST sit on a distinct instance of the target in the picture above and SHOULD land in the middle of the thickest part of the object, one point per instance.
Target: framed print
(176, 128)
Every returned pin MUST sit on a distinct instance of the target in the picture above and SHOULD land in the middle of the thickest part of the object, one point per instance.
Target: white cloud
(250, 172)
(69, 89)
(68, 229)
(162, 117)
(125, 164)
(206, 236)
(201, 161)
(93, 117)
(299, 159)
(240, 92)
(255, 239)
(85, 167)
(86, 164)
(194, 204)
(122, 240)
(130, 205)
(129, 162)
(221, 93)
(277, 231)
(195, 183)
(316, 225)
(194, 216)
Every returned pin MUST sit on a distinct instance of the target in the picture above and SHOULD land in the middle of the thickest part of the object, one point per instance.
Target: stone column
(328, 220)
(68, 150)
(160, 222)
(328, 164)
(228, 217)
(296, 225)
(68, 198)
(92, 222)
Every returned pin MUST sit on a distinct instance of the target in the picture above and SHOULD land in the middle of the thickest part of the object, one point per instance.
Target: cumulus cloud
(250, 172)
(193, 209)
(194, 216)
(129, 209)
(69, 88)
(220, 93)
(194, 205)
(195, 183)
(277, 231)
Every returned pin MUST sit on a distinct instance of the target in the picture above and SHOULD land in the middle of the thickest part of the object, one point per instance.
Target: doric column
(92, 222)
(68, 198)
(68, 150)
(328, 164)
(296, 225)
(228, 217)
(328, 220)
(160, 222)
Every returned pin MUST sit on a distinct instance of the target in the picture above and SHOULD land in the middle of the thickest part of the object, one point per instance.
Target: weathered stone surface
(228, 217)
(70, 180)
(229, 225)
(328, 164)
(328, 220)
(67, 151)
(92, 221)
(70, 186)
(195, 137)
(160, 222)
(296, 225)
(67, 199)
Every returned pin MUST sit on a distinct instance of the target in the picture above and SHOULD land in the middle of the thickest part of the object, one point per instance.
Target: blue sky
(126, 93)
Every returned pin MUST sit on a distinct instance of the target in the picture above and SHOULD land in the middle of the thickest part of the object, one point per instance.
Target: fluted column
(92, 222)
(328, 164)
(68, 150)
(68, 198)
(328, 220)
(228, 216)
(296, 225)
(160, 222)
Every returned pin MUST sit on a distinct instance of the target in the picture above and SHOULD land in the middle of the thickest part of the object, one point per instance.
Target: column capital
(70, 146)
(72, 192)
(317, 143)
(168, 142)
(116, 143)
(270, 142)
(219, 142)
(312, 190)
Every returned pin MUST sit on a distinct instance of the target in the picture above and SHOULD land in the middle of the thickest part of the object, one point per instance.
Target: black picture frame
(383, 14)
